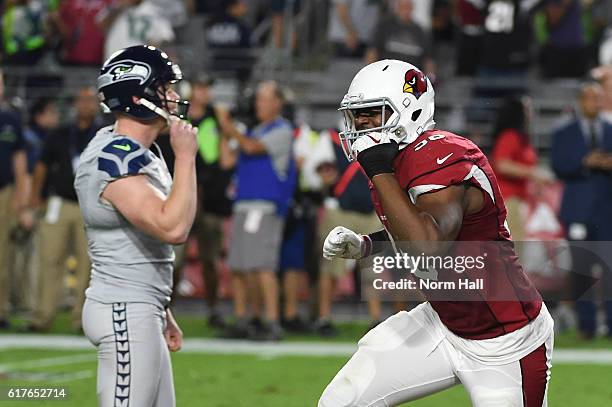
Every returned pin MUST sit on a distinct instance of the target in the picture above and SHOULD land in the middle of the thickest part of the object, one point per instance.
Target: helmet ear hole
(150, 92)
(416, 114)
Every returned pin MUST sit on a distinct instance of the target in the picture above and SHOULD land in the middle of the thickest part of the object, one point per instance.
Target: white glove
(369, 140)
(343, 242)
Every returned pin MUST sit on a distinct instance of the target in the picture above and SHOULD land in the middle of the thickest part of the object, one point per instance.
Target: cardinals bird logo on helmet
(415, 82)
(396, 87)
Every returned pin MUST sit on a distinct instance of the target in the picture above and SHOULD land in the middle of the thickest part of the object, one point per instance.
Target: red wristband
(366, 249)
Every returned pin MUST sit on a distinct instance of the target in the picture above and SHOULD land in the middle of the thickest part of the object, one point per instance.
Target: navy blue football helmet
(145, 72)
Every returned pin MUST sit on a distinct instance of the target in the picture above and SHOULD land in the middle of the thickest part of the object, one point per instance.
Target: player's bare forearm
(429, 228)
(405, 220)
(173, 333)
(170, 317)
(179, 209)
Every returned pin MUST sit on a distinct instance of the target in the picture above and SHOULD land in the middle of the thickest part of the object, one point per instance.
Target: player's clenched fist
(343, 242)
(183, 138)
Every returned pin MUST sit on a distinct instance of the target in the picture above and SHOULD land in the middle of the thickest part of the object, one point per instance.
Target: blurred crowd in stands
(272, 186)
(563, 38)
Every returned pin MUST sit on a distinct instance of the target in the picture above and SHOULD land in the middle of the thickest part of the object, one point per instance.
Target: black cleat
(216, 321)
(271, 331)
(296, 325)
(324, 327)
(240, 330)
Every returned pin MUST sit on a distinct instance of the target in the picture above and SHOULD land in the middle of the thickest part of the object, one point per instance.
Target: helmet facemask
(155, 97)
(351, 104)
(395, 85)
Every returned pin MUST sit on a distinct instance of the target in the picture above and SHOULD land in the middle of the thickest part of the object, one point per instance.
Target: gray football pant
(134, 368)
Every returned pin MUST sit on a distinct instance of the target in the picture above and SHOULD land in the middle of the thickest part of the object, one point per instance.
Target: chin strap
(156, 109)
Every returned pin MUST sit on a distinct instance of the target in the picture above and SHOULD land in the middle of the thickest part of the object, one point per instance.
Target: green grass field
(242, 380)
(215, 380)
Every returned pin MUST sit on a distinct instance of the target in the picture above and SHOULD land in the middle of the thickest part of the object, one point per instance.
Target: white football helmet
(393, 84)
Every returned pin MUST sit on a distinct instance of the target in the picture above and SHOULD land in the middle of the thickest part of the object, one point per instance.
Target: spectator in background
(581, 155)
(471, 27)
(44, 118)
(604, 76)
(279, 8)
(134, 22)
(14, 185)
(600, 12)
(205, 7)
(398, 36)
(300, 249)
(82, 39)
(508, 35)
(174, 11)
(293, 263)
(505, 54)
(24, 30)
(605, 48)
(229, 40)
(351, 26)
(602, 18)
(564, 54)
(266, 178)
(422, 13)
(215, 163)
(348, 204)
(62, 224)
(515, 162)
(442, 22)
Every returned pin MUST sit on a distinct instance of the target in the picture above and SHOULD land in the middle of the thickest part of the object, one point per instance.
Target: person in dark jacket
(581, 154)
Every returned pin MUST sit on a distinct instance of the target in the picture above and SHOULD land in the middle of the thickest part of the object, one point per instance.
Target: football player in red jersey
(435, 190)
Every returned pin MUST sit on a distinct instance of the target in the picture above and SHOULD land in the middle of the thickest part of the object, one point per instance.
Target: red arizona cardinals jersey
(438, 159)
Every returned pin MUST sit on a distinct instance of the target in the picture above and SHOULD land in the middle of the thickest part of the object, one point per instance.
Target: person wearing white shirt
(134, 22)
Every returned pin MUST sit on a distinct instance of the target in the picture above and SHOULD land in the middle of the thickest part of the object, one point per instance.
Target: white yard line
(48, 362)
(57, 342)
(69, 377)
(219, 346)
(54, 361)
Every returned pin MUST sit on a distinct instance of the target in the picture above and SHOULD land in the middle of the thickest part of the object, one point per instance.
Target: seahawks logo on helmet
(123, 71)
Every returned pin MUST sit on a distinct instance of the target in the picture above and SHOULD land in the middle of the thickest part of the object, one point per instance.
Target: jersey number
(424, 142)
(139, 27)
(500, 18)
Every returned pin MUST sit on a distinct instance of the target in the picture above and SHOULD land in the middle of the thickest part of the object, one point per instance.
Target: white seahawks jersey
(128, 265)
